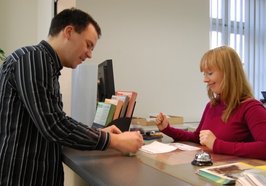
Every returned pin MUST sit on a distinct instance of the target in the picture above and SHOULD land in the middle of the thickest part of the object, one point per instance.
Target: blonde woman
(233, 122)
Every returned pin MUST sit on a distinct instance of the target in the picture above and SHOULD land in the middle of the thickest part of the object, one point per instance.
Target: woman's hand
(207, 138)
(161, 121)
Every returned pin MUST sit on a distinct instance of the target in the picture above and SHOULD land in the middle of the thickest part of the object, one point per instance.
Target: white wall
(156, 46)
(44, 15)
(18, 24)
(23, 22)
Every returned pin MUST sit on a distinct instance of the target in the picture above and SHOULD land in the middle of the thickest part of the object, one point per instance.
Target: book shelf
(123, 123)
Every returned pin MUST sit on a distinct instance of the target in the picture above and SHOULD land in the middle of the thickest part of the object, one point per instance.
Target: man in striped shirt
(33, 125)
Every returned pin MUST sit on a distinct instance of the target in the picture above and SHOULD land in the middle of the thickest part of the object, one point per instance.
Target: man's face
(78, 46)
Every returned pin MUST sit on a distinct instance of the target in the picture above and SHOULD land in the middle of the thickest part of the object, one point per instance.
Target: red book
(131, 103)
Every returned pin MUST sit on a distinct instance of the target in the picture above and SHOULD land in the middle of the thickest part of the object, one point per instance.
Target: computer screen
(264, 94)
(106, 85)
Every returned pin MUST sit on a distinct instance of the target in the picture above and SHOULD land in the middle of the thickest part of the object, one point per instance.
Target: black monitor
(264, 94)
(106, 85)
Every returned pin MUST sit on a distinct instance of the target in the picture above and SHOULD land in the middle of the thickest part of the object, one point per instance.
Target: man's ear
(68, 30)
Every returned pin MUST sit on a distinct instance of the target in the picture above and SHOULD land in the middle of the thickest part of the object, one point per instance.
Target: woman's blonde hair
(234, 87)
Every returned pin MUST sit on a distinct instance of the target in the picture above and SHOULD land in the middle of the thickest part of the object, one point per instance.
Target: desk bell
(202, 159)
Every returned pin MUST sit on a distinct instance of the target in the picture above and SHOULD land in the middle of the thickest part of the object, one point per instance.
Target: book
(255, 176)
(118, 104)
(131, 103)
(224, 174)
(104, 113)
(125, 100)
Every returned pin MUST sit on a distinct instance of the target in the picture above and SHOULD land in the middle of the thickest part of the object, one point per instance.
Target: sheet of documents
(182, 146)
(158, 147)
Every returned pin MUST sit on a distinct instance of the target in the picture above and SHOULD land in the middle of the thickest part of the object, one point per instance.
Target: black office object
(106, 84)
(105, 89)
(264, 97)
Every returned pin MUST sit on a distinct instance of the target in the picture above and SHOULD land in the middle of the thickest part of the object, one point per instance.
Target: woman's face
(213, 78)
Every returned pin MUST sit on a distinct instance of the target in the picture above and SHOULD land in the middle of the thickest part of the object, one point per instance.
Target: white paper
(182, 146)
(158, 147)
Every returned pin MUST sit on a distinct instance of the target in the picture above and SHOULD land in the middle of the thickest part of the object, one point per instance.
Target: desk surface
(113, 168)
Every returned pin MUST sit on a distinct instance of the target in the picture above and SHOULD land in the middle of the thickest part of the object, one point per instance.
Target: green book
(110, 114)
(104, 113)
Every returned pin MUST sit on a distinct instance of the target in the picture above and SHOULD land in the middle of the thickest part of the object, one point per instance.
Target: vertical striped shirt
(33, 125)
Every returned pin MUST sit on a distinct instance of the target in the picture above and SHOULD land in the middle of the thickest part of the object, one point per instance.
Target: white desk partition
(84, 92)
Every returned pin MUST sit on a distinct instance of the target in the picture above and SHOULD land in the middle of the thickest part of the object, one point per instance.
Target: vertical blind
(255, 40)
(241, 24)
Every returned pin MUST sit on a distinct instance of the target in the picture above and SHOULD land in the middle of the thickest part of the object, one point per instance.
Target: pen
(152, 132)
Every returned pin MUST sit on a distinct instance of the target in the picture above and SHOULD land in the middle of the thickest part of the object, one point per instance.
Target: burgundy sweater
(244, 134)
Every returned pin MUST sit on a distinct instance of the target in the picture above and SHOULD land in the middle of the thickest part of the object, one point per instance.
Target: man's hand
(126, 142)
(112, 129)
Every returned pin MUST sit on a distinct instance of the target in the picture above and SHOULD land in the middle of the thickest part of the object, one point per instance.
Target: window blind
(240, 24)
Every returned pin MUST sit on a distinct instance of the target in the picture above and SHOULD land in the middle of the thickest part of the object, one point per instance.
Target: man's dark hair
(75, 17)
